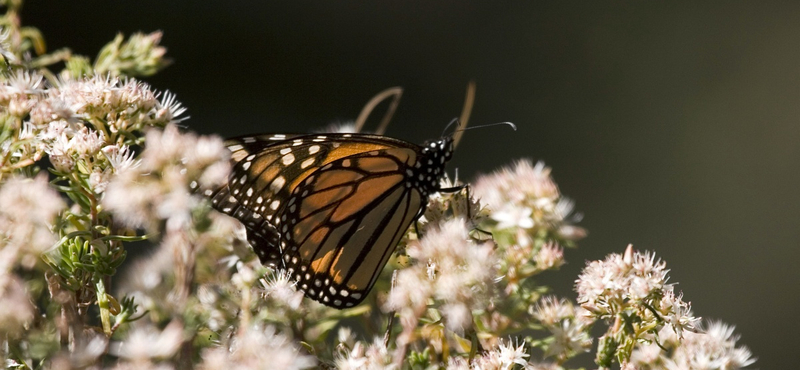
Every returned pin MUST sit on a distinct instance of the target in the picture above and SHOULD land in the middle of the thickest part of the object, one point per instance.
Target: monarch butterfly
(329, 209)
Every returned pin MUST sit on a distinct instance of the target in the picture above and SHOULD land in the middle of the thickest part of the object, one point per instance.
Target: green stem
(102, 302)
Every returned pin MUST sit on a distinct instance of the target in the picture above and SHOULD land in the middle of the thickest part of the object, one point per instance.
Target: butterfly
(329, 209)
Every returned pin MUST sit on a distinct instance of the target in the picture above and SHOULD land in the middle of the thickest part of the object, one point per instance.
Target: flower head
(258, 348)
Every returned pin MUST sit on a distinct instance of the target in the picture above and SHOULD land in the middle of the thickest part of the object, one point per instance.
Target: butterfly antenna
(455, 120)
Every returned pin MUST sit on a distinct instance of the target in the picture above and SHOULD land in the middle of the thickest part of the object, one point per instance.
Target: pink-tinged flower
(28, 208)
(17, 308)
(550, 256)
(551, 311)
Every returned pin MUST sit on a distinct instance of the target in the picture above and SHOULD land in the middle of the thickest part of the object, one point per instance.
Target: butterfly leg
(387, 337)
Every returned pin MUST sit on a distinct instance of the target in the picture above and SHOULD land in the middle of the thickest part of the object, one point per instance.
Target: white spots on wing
(259, 200)
(250, 157)
(249, 139)
(274, 205)
(232, 199)
(346, 163)
(277, 184)
(243, 179)
(313, 149)
(284, 151)
(308, 162)
(249, 192)
(288, 159)
(208, 192)
(246, 165)
(235, 147)
(278, 137)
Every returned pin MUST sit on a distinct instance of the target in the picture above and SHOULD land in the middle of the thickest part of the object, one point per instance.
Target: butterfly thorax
(429, 169)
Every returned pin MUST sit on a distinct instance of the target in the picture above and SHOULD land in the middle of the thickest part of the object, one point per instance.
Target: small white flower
(511, 355)
(25, 82)
(513, 216)
(550, 255)
(281, 287)
(169, 108)
(149, 343)
(551, 311)
(257, 348)
(121, 157)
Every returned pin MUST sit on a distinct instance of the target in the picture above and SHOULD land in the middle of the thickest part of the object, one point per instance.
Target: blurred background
(674, 126)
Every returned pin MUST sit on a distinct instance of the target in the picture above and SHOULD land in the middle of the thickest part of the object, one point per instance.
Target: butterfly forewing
(330, 209)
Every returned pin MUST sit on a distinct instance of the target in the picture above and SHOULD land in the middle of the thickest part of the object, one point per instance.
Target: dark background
(674, 126)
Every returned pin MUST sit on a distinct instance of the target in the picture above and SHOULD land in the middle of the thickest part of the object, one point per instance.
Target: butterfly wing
(266, 168)
(330, 209)
(342, 223)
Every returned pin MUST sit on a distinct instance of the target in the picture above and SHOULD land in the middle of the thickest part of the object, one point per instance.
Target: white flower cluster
(367, 357)
(525, 197)
(452, 269)
(257, 348)
(82, 124)
(503, 357)
(633, 283)
(28, 208)
(712, 348)
(567, 325)
(443, 206)
(159, 188)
